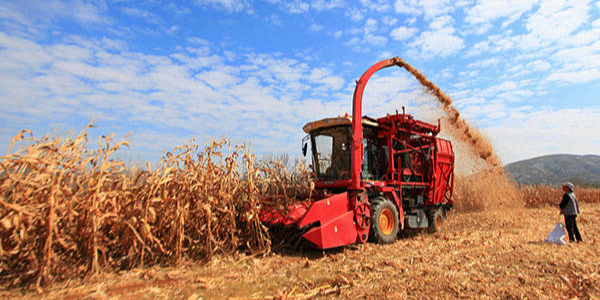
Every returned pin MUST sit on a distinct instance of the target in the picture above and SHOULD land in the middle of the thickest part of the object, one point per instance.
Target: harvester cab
(373, 177)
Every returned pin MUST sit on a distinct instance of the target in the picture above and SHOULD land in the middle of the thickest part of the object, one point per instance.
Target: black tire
(383, 211)
(436, 220)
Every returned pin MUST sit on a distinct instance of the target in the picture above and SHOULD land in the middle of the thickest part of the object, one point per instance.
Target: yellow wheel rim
(386, 221)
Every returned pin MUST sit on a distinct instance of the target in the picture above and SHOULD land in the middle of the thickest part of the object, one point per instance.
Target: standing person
(570, 209)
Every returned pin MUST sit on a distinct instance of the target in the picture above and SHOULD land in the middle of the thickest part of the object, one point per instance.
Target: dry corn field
(67, 211)
(542, 195)
(77, 223)
(493, 254)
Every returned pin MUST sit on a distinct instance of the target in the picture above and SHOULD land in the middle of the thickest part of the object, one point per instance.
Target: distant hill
(556, 169)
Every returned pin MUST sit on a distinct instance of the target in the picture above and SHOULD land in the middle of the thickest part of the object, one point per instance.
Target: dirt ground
(484, 255)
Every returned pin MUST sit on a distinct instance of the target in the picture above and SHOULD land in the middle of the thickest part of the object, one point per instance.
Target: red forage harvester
(373, 177)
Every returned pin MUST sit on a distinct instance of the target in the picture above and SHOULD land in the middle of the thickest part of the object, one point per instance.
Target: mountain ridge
(554, 169)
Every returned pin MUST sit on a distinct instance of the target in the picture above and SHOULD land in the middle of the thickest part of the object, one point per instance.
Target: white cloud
(389, 21)
(502, 87)
(296, 7)
(440, 41)
(355, 14)
(481, 109)
(219, 79)
(478, 48)
(315, 27)
(566, 76)
(140, 13)
(178, 10)
(484, 63)
(29, 18)
(539, 65)
(173, 29)
(385, 55)
(434, 8)
(319, 73)
(576, 65)
(275, 20)
(324, 77)
(543, 130)
(333, 82)
(337, 34)
(371, 26)
(403, 33)
(441, 22)
(429, 8)
(322, 5)
(198, 40)
(86, 12)
(573, 65)
(488, 11)
(402, 7)
(371, 37)
(508, 91)
(299, 6)
(529, 45)
(376, 40)
(228, 5)
(574, 56)
(558, 37)
(376, 5)
(169, 98)
(584, 37)
(22, 55)
(519, 132)
(558, 19)
(520, 70)
(354, 42)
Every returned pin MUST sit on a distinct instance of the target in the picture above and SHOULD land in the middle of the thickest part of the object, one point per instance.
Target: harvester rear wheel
(384, 227)
(436, 221)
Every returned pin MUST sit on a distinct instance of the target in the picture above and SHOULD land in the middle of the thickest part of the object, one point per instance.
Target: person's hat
(569, 185)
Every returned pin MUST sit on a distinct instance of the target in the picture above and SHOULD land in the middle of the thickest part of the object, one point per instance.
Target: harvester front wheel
(384, 228)
(436, 221)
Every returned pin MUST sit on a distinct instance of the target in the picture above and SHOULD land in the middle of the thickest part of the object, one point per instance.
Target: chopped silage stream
(495, 254)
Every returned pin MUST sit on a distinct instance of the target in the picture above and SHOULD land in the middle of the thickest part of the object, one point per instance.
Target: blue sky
(527, 72)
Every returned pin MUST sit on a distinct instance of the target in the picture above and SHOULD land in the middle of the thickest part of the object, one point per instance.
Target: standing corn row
(67, 211)
(544, 195)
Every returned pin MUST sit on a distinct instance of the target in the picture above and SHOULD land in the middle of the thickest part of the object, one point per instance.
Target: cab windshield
(331, 153)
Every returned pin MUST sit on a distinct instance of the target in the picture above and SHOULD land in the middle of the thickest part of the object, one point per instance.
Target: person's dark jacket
(569, 205)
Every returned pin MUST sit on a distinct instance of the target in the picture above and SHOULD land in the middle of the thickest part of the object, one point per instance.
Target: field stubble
(493, 254)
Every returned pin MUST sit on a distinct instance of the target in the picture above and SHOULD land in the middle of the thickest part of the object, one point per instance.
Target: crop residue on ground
(494, 254)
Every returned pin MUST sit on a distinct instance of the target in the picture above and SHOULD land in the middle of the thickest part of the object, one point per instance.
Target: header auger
(373, 177)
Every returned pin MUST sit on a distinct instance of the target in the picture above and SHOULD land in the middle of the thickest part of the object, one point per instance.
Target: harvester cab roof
(337, 121)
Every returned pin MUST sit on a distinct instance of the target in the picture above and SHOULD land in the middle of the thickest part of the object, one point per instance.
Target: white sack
(557, 235)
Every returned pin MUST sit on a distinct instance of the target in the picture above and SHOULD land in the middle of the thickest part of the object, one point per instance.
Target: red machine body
(373, 177)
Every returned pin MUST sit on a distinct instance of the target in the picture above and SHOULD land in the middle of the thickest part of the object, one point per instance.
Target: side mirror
(304, 145)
